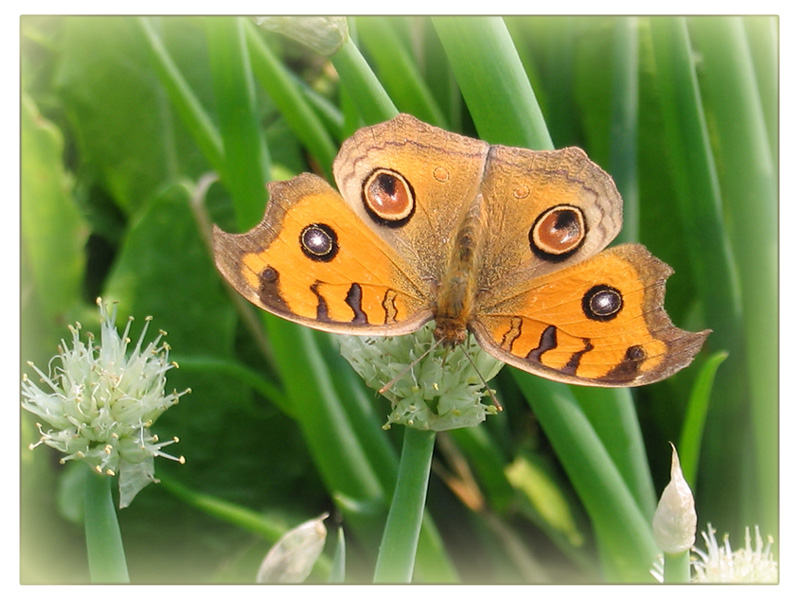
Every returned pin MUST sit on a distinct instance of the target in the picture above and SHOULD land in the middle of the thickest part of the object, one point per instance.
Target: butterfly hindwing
(600, 322)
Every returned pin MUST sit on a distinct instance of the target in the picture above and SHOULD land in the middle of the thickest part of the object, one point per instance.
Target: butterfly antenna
(410, 366)
(497, 405)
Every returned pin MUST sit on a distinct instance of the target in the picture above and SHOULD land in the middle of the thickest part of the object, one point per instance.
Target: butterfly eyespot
(602, 303)
(319, 242)
(441, 174)
(388, 197)
(558, 232)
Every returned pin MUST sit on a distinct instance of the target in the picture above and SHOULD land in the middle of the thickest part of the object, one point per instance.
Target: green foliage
(122, 118)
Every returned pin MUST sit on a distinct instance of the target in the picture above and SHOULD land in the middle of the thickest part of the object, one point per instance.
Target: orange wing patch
(311, 260)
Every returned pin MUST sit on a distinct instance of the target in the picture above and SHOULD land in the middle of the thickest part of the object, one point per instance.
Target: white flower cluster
(441, 390)
(101, 403)
(719, 564)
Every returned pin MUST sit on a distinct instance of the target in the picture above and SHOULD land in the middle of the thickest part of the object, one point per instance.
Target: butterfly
(505, 243)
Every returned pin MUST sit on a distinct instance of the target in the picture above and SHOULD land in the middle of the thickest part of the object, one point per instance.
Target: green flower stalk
(100, 403)
(431, 388)
(436, 389)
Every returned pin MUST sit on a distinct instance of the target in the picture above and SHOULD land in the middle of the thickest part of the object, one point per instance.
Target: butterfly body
(455, 298)
(506, 243)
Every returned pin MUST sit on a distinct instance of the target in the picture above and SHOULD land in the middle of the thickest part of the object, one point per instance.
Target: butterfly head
(450, 331)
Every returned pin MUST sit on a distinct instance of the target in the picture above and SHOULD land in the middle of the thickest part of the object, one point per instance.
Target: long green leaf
(613, 417)
(749, 185)
(694, 172)
(694, 422)
(762, 37)
(320, 412)
(238, 371)
(623, 164)
(290, 100)
(183, 98)
(699, 202)
(398, 73)
(374, 104)
(493, 81)
(247, 163)
(265, 526)
(623, 532)
(239, 516)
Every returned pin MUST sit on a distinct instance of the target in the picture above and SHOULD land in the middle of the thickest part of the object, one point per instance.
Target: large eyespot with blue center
(558, 232)
(602, 303)
(318, 241)
(388, 198)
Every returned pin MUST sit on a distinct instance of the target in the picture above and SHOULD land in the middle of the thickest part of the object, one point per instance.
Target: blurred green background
(121, 118)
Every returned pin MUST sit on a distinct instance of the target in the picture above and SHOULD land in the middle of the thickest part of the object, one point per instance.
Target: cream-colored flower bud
(293, 556)
(322, 34)
(675, 521)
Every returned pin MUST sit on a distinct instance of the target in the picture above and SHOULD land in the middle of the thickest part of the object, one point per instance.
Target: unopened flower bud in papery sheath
(675, 520)
(324, 35)
(293, 556)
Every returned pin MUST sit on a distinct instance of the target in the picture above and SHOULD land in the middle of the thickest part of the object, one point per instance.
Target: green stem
(676, 567)
(374, 104)
(624, 123)
(103, 539)
(183, 98)
(624, 534)
(289, 99)
(749, 186)
(695, 419)
(399, 544)
(493, 81)
(247, 161)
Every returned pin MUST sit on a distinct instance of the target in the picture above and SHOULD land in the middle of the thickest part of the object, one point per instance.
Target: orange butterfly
(506, 243)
